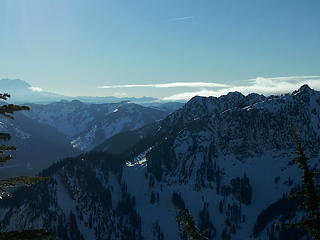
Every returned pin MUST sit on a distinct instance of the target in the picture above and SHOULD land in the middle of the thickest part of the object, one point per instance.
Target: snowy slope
(227, 160)
(87, 125)
(38, 146)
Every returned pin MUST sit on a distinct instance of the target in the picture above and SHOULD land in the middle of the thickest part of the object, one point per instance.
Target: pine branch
(4, 159)
(4, 96)
(26, 180)
(309, 193)
(12, 182)
(5, 136)
(9, 109)
(299, 193)
(7, 148)
(40, 234)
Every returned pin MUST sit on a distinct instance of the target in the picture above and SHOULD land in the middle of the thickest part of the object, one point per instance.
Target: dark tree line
(241, 189)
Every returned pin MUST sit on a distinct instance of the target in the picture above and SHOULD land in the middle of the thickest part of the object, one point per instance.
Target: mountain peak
(303, 90)
(304, 87)
(235, 94)
(13, 84)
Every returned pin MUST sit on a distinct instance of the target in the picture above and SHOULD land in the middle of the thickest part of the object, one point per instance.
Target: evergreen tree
(310, 194)
(188, 226)
(7, 110)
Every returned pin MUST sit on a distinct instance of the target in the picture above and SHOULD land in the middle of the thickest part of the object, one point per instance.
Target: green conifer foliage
(7, 110)
(309, 193)
(188, 226)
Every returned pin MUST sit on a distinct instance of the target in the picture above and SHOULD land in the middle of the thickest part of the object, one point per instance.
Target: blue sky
(103, 47)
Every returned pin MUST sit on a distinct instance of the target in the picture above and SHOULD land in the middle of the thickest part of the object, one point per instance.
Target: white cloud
(36, 89)
(169, 85)
(262, 85)
(177, 19)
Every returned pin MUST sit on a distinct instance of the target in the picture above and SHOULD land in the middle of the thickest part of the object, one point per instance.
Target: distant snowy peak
(38, 145)
(233, 118)
(304, 89)
(199, 107)
(204, 107)
(87, 125)
(228, 160)
(23, 92)
(126, 117)
(243, 126)
(13, 84)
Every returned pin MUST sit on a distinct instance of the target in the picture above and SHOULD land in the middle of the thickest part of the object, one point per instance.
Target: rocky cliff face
(228, 160)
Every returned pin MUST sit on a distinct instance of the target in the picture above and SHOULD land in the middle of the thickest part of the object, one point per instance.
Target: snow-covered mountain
(167, 107)
(87, 125)
(38, 146)
(228, 160)
(23, 92)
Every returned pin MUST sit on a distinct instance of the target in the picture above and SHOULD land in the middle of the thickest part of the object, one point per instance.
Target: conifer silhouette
(186, 222)
(7, 110)
(309, 193)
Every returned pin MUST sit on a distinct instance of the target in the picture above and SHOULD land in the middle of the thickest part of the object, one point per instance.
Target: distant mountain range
(50, 132)
(228, 160)
(22, 92)
(38, 146)
(86, 125)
